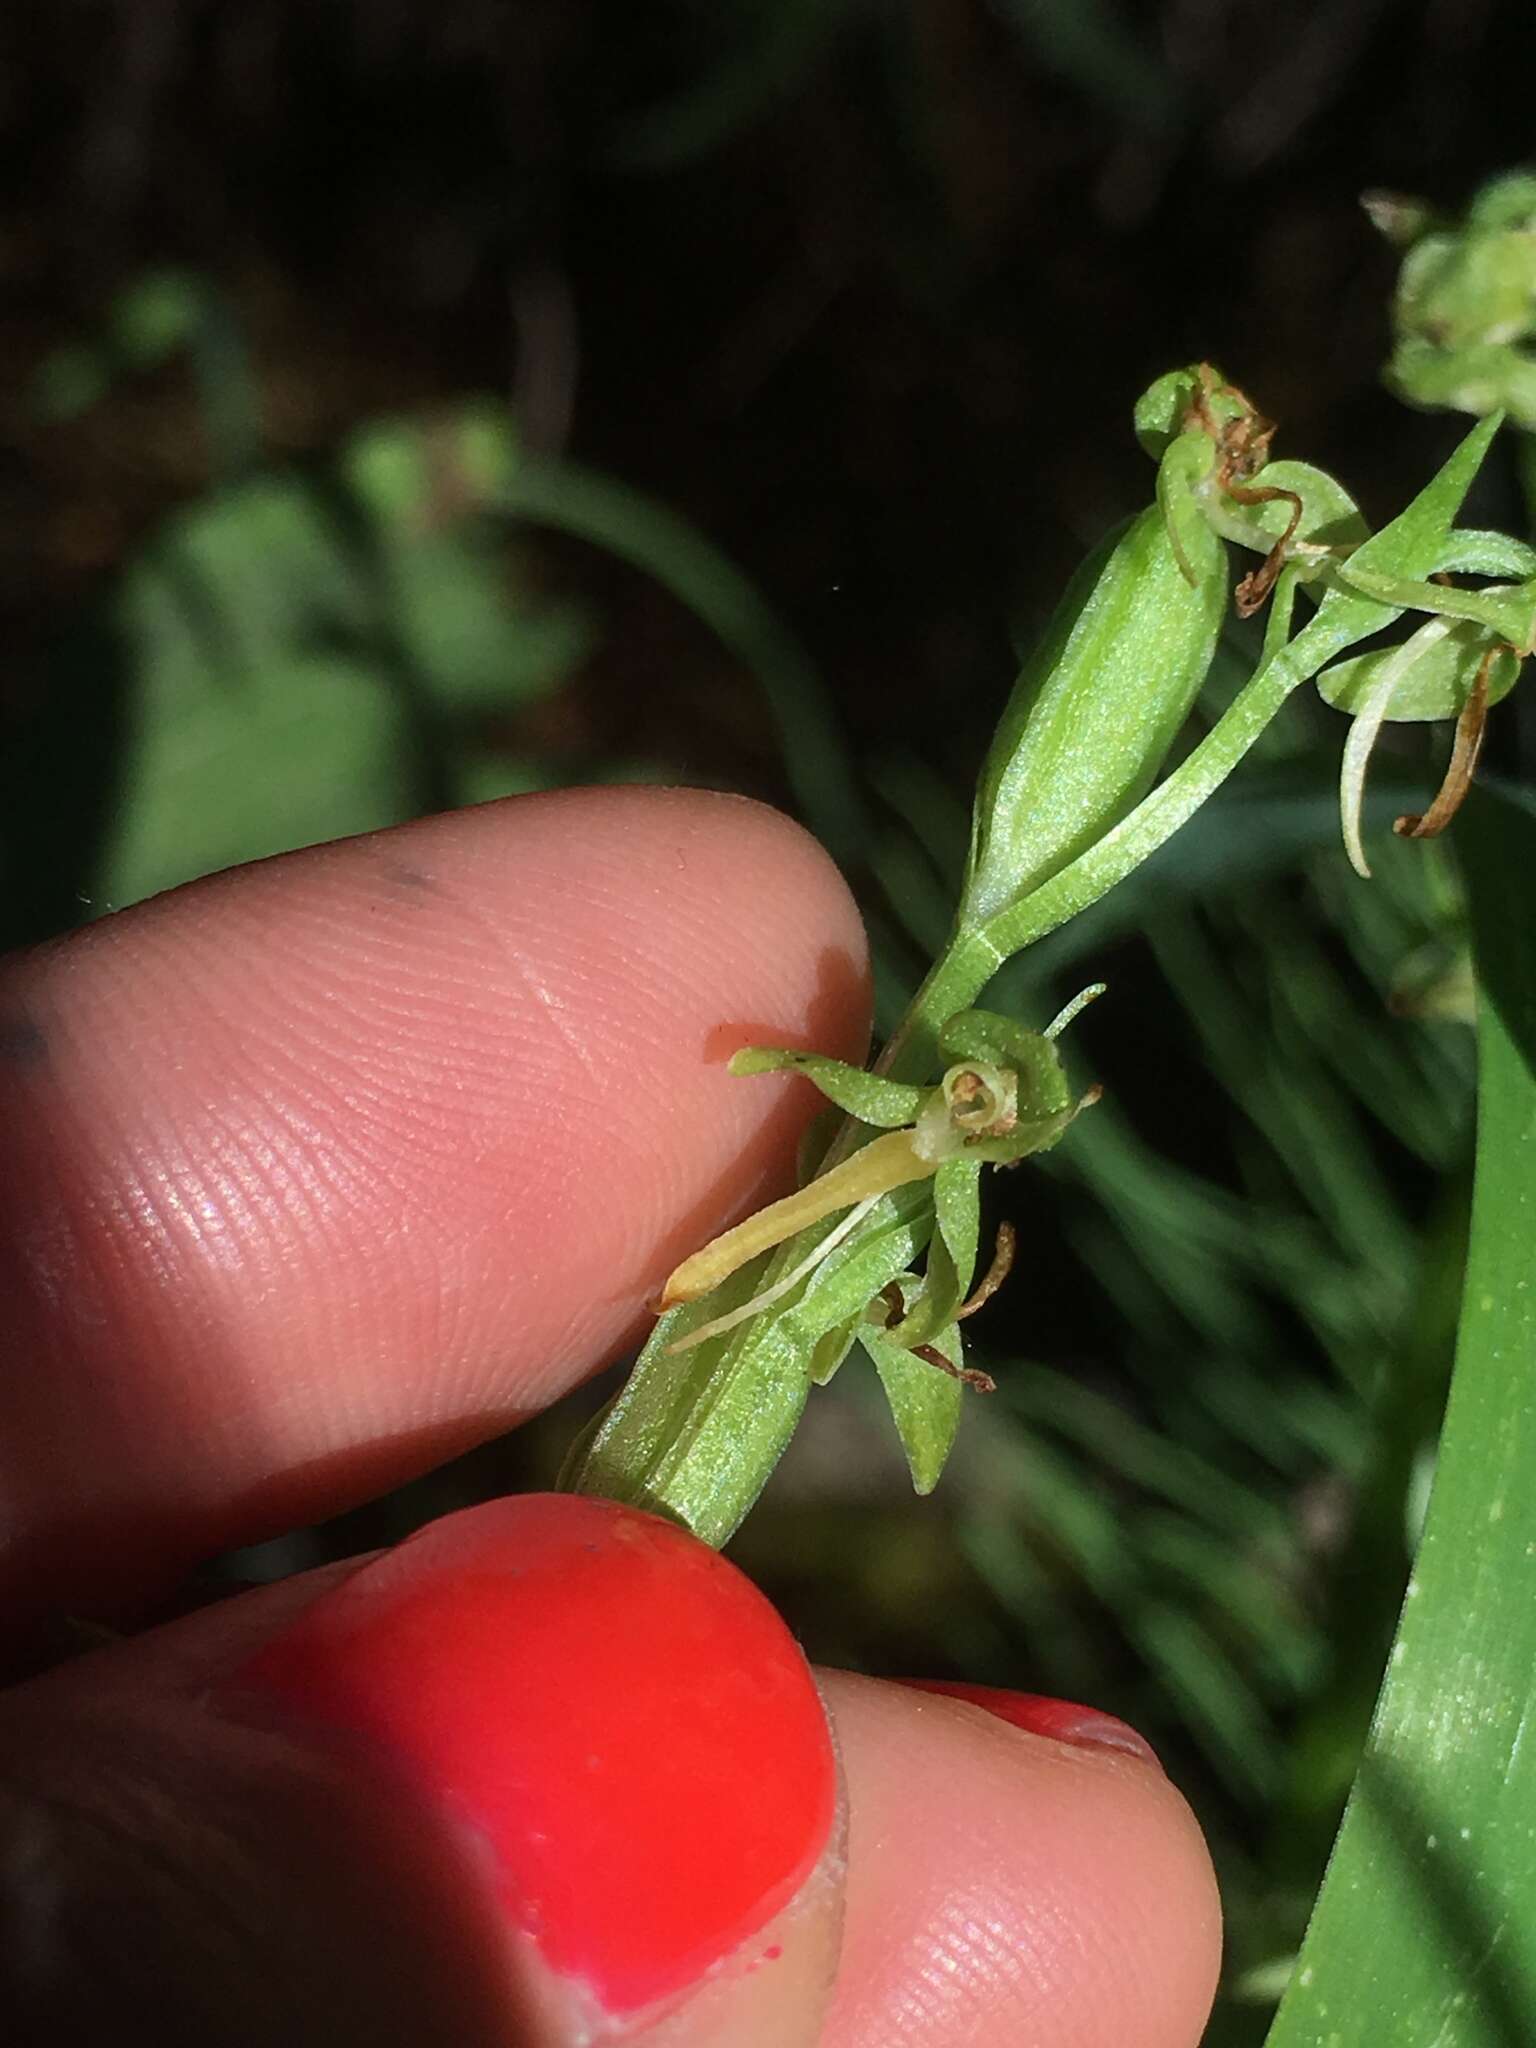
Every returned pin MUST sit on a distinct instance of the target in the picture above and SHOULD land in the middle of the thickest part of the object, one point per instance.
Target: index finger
(318, 1172)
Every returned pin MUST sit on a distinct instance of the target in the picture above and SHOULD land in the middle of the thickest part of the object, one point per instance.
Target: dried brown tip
(983, 1382)
(1462, 766)
(996, 1273)
(1253, 592)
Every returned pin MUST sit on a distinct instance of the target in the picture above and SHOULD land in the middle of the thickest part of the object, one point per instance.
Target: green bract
(878, 1251)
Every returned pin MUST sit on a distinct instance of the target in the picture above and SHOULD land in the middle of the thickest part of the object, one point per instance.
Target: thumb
(550, 1772)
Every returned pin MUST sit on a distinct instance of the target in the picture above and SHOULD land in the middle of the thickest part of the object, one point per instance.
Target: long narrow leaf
(1425, 1933)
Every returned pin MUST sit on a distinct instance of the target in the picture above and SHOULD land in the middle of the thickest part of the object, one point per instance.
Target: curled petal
(1462, 766)
(1363, 735)
(995, 1275)
(1065, 1015)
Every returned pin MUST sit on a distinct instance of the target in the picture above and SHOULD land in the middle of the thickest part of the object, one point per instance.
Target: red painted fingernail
(610, 1705)
(1085, 1727)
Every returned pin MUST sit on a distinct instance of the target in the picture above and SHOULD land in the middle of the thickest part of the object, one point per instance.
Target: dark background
(863, 294)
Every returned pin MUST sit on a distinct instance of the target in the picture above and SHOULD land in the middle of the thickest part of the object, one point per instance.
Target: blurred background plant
(406, 405)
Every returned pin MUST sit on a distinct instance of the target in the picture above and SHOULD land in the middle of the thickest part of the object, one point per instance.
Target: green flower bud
(1097, 706)
(1465, 307)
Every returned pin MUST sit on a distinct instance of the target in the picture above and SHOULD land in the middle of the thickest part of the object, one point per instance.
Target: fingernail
(1084, 1727)
(609, 1705)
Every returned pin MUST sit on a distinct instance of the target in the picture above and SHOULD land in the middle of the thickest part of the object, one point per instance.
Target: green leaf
(462, 633)
(1435, 684)
(1425, 1932)
(885, 1104)
(252, 575)
(925, 1402)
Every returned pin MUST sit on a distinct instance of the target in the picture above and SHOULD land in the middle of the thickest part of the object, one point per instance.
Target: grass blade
(1425, 1931)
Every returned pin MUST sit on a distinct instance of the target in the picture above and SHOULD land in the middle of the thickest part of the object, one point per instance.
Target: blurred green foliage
(294, 656)
(299, 655)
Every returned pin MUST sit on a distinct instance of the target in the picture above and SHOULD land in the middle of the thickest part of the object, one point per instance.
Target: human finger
(550, 1773)
(556, 1759)
(317, 1172)
(1019, 1872)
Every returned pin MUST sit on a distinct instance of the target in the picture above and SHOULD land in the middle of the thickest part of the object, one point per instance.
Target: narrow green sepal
(951, 1253)
(1282, 609)
(957, 1220)
(1417, 542)
(989, 1035)
(885, 1104)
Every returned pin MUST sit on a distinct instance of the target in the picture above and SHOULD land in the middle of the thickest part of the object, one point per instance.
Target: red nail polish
(1085, 1727)
(610, 1705)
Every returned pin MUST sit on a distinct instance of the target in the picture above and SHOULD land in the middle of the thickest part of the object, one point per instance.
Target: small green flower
(878, 1250)
(1464, 313)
